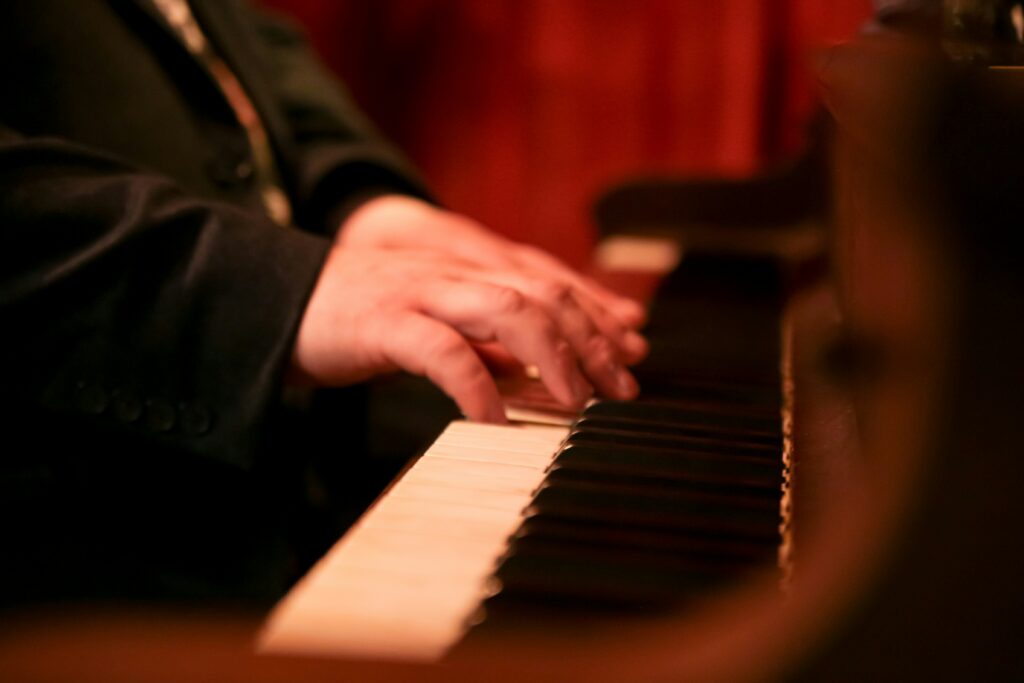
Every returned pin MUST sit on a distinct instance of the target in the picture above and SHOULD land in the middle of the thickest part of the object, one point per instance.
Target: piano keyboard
(619, 511)
(646, 506)
(636, 507)
(404, 580)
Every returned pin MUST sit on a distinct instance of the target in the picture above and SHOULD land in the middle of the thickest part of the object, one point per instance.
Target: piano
(870, 421)
(821, 480)
(630, 508)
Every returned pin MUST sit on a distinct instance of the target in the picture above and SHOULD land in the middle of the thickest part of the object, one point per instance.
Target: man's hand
(428, 305)
(398, 221)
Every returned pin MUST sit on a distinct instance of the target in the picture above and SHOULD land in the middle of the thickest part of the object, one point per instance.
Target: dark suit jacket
(148, 305)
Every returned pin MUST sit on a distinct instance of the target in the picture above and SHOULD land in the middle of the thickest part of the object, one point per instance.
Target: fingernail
(582, 389)
(636, 345)
(626, 385)
(631, 312)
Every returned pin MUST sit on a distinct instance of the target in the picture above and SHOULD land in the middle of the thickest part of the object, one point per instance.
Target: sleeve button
(126, 407)
(91, 398)
(195, 419)
(160, 415)
(230, 172)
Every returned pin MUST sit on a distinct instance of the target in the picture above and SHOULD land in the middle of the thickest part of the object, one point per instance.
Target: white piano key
(522, 458)
(440, 568)
(478, 476)
(404, 580)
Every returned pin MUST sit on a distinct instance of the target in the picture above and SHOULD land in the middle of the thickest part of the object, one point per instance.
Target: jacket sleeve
(129, 305)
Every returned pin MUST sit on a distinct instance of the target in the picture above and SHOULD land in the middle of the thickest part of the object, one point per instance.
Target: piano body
(793, 492)
(823, 484)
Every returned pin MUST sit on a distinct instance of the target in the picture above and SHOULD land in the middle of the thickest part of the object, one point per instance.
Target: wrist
(340, 218)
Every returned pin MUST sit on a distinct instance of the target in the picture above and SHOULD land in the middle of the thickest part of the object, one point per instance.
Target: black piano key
(701, 432)
(654, 439)
(671, 496)
(727, 494)
(715, 407)
(613, 582)
(679, 415)
(700, 530)
(561, 587)
(685, 466)
(684, 511)
(510, 612)
(658, 384)
(638, 558)
(624, 538)
(657, 485)
(549, 581)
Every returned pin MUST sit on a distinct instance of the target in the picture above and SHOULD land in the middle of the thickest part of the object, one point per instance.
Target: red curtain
(521, 111)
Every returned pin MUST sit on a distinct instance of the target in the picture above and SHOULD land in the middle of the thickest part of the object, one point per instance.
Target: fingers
(398, 222)
(377, 309)
(601, 343)
(432, 349)
(626, 311)
(485, 312)
(631, 345)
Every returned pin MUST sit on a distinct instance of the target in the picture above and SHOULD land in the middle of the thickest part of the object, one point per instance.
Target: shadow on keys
(904, 430)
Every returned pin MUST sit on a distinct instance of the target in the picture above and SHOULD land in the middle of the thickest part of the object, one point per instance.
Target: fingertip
(582, 389)
(491, 413)
(626, 386)
(630, 313)
(565, 382)
(635, 347)
(616, 382)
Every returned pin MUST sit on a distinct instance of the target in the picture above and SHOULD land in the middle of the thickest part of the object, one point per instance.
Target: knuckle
(546, 328)
(444, 349)
(557, 293)
(563, 350)
(601, 350)
(507, 300)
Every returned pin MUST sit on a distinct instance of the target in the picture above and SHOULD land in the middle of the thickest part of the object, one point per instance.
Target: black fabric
(148, 305)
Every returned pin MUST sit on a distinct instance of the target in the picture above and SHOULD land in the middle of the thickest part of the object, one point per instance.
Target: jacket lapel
(164, 40)
(154, 14)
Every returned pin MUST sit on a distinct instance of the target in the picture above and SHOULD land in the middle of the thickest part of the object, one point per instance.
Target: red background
(520, 112)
